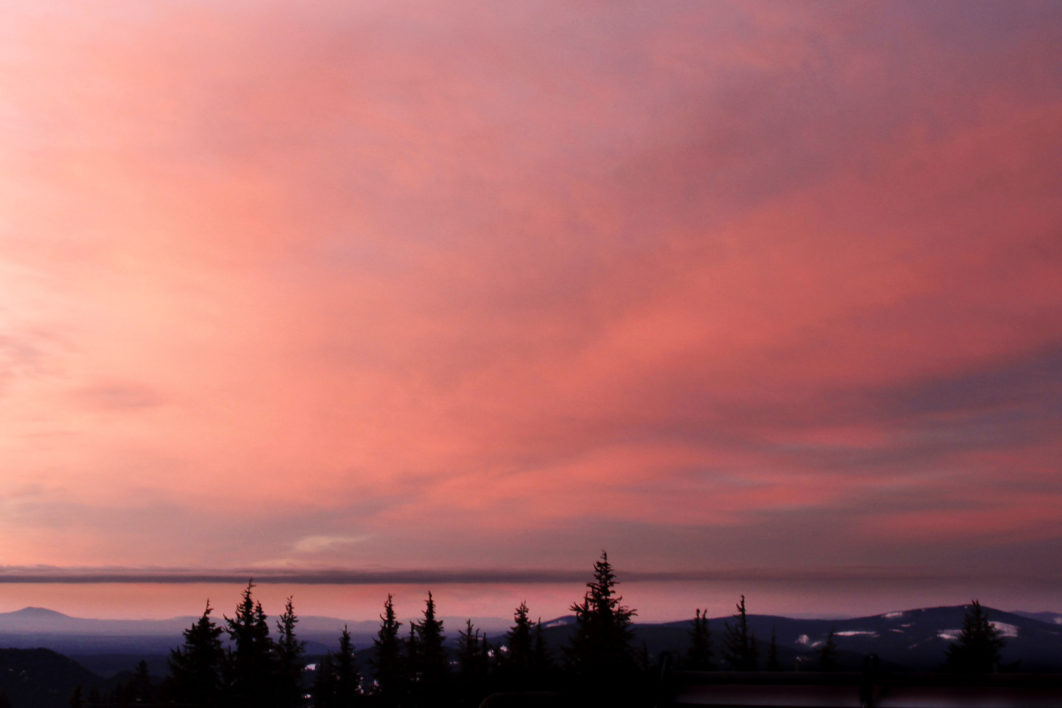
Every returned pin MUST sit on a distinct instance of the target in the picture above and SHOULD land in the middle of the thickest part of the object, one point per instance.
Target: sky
(758, 295)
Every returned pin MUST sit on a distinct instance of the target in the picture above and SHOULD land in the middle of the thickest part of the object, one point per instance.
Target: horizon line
(457, 576)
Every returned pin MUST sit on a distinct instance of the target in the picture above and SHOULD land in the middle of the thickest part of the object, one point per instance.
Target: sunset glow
(750, 291)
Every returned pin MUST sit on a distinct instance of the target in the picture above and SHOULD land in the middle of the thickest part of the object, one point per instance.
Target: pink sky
(721, 287)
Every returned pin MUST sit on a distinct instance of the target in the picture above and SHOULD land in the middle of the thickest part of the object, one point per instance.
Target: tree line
(977, 650)
(241, 663)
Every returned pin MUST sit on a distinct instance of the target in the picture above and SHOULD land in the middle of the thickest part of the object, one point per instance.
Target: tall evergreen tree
(411, 671)
(518, 643)
(600, 646)
(739, 645)
(828, 653)
(140, 687)
(387, 656)
(699, 654)
(772, 652)
(431, 666)
(471, 659)
(348, 680)
(472, 664)
(289, 659)
(196, 667)
(250, 661)
(541, 661)
(324, 683)
(979, 646)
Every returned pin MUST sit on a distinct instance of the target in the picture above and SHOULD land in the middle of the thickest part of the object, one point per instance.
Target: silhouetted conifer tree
(979, 646)
(739, 646)
(387, 656)
(5, 702)
(348, 680)
(541, 661)
(250, 661)
(699, 654)
(472, 664)
(196, 667)
(289, 659)
(411, 672)
(338, 682)
(430, 664)
(828, 653)
(600, 647)
(518, 643)
(140, 689)
(471, 659)
(772, 652)
(324, 683)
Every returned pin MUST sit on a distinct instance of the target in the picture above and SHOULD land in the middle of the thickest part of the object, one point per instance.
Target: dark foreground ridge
(867, 689)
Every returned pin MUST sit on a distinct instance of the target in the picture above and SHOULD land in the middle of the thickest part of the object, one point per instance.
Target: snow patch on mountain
(559, 622)
(1007, 630)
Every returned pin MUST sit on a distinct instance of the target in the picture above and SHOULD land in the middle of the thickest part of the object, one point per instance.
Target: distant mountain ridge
(1049, 617)
(43, 621)
(36, 612)
(91, 641)
(916, 638)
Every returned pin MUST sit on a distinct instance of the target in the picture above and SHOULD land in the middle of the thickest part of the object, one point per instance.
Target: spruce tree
(289, 659)
(348, 680)
(324, 683)
(196, 667)
(250, 661)
(979, 646)
(600, 647)
(772, 653)
(471, 663)
(387, 656)
(518, 642)
(431, 664)
(828, 653)
(699, 654)
(411, 664)
(471, 652)
(541, 661)
(739, 645)
(140, 687)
